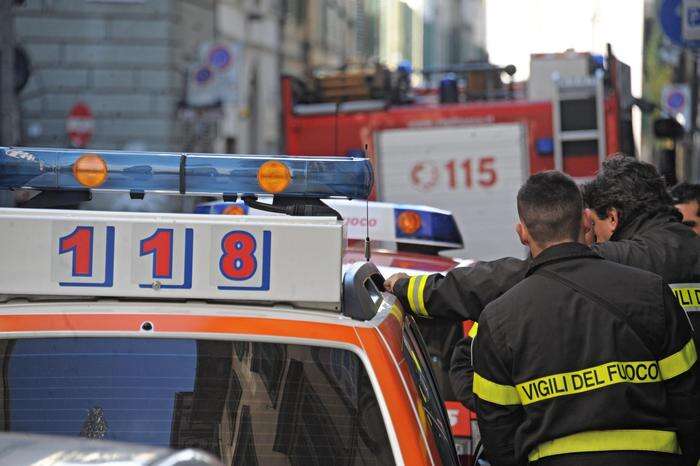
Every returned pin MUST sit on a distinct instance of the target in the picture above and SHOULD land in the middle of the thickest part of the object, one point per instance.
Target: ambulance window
(435, 414)
(246, 402)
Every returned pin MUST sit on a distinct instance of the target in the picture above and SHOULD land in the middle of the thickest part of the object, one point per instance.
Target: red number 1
(79, 242)
(160, 244)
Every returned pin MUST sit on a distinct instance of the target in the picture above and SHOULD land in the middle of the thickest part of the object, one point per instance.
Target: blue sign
(675, 100)
(220, 57)
(694, 17)
(202, 75)
(670, 15)
(671, 19)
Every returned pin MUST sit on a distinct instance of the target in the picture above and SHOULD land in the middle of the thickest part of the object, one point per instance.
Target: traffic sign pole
(694, 93)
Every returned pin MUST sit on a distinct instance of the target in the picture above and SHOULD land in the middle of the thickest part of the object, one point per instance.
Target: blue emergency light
(412, 223)
(203, 174)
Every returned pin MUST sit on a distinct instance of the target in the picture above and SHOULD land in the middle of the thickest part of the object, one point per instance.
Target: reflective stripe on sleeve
(679, 362)
(661, 441)
(472, 331)
(591, 378)
(416, 287)
(495, 393)
(411, 289)
(421, 293)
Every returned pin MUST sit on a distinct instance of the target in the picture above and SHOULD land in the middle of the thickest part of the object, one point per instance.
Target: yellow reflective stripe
(421, 301)
(679, 362)
(472, 331)
(411, 287)
(495, 393)
(584, 380)
(661, 441)
(687, 294)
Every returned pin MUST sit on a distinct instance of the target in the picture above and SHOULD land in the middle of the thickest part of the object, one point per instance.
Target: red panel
(324, 135)
(460, 419)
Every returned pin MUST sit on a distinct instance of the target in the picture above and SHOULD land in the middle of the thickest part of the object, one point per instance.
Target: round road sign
(675, 100)
(80, 125)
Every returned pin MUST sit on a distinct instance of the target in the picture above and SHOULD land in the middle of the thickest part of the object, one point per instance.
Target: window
(248, 403)
(419, 366)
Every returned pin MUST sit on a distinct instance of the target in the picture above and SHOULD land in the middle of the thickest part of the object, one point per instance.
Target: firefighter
(635, 223)
(687, 199)
(585, 361)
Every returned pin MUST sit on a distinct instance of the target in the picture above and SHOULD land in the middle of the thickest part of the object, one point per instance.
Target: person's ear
(614, 218)
(587, 231)
(523, 234)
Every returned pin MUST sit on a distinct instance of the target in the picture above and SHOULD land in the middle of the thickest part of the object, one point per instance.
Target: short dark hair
(685, 192)
(550, 205)
(632, 187)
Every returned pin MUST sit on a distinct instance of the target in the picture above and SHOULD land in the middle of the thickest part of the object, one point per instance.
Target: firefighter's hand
(391, 281)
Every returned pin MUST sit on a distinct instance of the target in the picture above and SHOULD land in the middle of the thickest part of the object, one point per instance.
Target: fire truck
(465, 140)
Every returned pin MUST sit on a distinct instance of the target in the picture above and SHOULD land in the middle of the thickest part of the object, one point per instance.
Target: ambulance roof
(176, 256)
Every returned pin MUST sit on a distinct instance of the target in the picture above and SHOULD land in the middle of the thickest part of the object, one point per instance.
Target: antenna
(368, 249)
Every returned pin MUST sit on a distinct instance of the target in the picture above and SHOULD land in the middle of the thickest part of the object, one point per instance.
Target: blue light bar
(205, 174)
(435, 226)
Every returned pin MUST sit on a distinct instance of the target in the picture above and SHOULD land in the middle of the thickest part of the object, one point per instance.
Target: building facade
(146, 68)
(454, 32)
(203, 75)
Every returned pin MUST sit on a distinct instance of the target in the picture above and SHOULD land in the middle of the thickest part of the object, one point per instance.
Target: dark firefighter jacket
(673, 253)
(584, 360)
(658, 243)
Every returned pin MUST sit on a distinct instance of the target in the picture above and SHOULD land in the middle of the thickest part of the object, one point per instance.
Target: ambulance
(243, 336)
(404, 238)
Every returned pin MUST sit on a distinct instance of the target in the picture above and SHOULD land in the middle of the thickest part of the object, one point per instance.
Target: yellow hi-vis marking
(661, 441)
(472, 331)
(679, 362)
(584, 380)
(592, 378)
(687, 295)
(416, 287)
(494, 392)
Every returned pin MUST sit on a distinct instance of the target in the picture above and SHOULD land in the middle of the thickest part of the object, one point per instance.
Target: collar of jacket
(645, 222)
(561, 252)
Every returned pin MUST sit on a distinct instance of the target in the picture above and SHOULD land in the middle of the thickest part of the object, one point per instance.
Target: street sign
(213, 78)
(675, 100)
(680, 22)
(80, 125)
(670, 19)
(691, 20)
